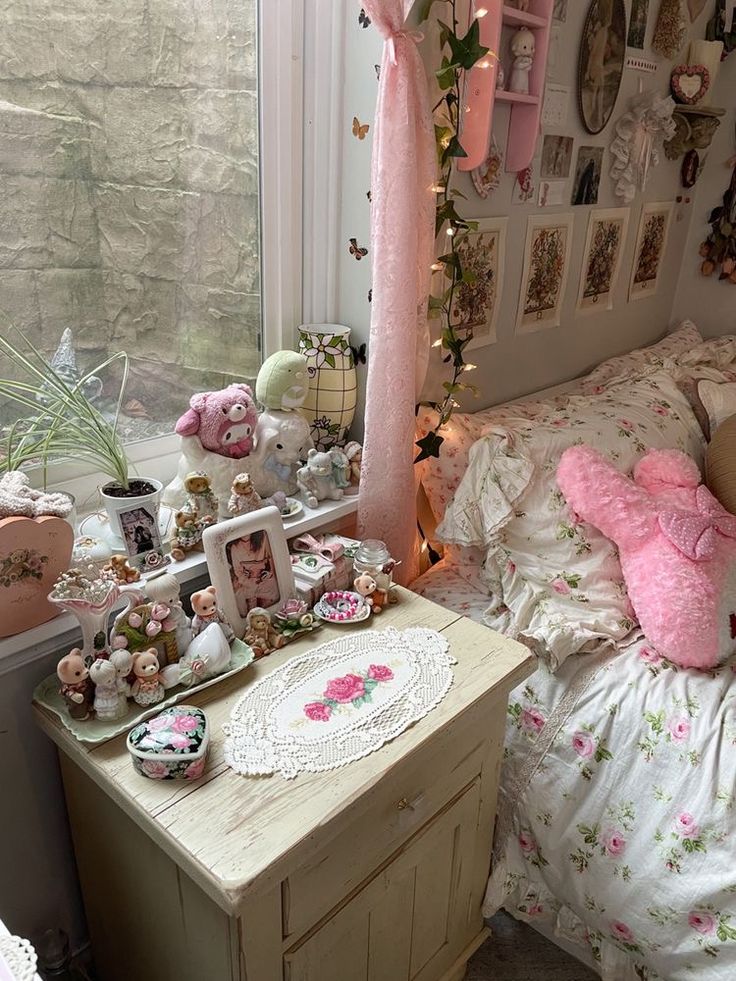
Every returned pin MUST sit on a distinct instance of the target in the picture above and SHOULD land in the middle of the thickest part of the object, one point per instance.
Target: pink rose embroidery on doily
(354, 690)
(380, 672)
(345, 689)
(318, 712)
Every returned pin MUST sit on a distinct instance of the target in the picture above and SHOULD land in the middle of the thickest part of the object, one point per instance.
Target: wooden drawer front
(407, 798)
(413, 919)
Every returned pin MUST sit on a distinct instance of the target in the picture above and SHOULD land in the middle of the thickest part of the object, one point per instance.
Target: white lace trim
(269, 731)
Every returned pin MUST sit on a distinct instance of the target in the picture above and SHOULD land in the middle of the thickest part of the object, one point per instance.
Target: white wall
(709, 302)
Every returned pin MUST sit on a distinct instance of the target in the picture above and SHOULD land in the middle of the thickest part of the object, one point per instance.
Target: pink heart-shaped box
(33, 553)
(690, 83)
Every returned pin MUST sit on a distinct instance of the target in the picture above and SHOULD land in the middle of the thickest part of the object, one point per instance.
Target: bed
(617, 805)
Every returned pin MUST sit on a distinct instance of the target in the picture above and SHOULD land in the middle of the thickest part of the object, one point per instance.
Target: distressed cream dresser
(373, 871)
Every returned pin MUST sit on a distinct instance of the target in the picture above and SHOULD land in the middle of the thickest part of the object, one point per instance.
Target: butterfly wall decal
(378, 71)
(356, 251)
(368, 195)
(363, 18)
(360, 129)
(359, 354)
(370, 295)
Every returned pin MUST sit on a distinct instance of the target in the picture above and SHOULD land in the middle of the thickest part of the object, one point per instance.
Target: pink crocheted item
(677, 546)
(224, 421)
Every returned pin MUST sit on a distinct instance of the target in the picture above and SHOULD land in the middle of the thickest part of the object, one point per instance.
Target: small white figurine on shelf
(522, 48)
(204, 604)
(244, 498)
(147, 689)
(200, 498)
(109, 704)
(164, 588)
(122, 661)
(317, 479)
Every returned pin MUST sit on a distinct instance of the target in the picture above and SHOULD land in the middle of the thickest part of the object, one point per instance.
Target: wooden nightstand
(373, 871)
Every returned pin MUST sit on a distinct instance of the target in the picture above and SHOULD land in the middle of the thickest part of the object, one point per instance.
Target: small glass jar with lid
(374, 558)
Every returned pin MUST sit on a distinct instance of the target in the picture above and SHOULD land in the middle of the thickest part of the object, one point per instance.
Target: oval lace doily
(20, 957)
(338, 702)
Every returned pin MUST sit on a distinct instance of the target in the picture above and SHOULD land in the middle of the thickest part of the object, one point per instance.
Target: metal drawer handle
(403, 804)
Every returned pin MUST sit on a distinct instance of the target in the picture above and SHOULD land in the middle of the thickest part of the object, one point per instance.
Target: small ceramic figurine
(122, 661)
(260, 634)
(204, 604)
(282, 442)
(188, 534)
(164, 588)
(200, 499)
(207, 656)
(121, 571)
(147, 689)
(368, 588)
(354, 452)
(109, 704)
(283, 382)
(75, 684)
(317, 480)
(243, 498)
(522, 48)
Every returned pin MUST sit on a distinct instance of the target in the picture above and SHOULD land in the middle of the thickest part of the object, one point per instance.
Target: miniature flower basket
(147, 625)
(172, 745)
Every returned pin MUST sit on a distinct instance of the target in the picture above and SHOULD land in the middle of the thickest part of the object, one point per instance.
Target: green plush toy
(283, 381)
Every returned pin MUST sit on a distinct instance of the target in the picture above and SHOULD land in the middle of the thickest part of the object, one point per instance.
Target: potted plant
(64, 424)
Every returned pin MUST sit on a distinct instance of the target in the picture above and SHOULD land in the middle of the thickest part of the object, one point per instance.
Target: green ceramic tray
(93, 731)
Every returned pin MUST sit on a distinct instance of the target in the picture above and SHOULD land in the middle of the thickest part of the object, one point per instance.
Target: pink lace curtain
(403, 172)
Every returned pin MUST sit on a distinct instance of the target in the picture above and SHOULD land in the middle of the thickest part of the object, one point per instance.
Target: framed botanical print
(249, 565)
(476, 304)
(651, 244)
(604, 247)
(601, 62)
(546, 263)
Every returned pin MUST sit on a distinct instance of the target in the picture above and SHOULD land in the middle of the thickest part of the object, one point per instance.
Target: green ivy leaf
(445, 74)
(468, 50)
(429, 446)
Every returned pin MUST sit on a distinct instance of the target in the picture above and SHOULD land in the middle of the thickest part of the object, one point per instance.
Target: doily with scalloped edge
(19, 955)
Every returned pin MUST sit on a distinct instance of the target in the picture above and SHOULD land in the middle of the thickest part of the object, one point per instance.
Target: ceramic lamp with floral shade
(330, 403)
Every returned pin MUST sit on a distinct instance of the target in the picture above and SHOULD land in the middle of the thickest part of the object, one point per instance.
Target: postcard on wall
(587, 175)
(638, 24)
(556, 157)
(604, 247)
(525, 184)
(551, 193)
(477, 304)
(546, 264)
(651, 244)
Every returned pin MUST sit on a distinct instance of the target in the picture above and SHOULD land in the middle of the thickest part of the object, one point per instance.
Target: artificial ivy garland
(459, 55)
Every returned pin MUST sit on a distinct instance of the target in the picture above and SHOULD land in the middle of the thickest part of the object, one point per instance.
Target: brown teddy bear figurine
(76, 686)
(260, 634)
(243, 498)
(121, 571)
(148, 688)
(200, 498)
(188, 534)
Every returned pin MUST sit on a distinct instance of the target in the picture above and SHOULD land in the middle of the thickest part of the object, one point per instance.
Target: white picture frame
(260, 541)
(542, 290)
(602, 259)
(650, 250)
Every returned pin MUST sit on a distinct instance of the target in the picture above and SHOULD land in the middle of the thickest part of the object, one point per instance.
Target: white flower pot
(119, 507)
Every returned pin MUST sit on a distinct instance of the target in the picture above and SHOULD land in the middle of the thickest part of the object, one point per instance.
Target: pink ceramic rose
(702, 921)
(685, 825)
(380, 672)
(613, 842)
(159, 611)
(679, 729)
(185, 723)
(345, 689)
(153, 628)
(154, 769)
(135, 620)
(195, 770)
(168, 624)
(527, 842)
(119, 642)
(583, 744)
(532, 720)
(620, 931)
(318, 712)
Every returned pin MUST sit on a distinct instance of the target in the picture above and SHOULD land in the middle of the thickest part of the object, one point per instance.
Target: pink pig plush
(224, 421)
(677, 546)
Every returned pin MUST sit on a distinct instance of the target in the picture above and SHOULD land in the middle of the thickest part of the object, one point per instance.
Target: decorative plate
(338, 702)
(342, 606)
(292, 509)
(95, 731)
(690, 83)
(20, 957)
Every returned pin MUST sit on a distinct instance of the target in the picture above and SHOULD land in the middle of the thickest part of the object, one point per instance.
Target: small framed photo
(142, 537)
(546, 262)
(651, 244)
(249, 564)
(604, 248)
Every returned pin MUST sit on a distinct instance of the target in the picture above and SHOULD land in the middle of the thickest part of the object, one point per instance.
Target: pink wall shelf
(481, 93)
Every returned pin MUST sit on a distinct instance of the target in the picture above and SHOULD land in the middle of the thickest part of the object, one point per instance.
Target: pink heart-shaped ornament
(690, 83)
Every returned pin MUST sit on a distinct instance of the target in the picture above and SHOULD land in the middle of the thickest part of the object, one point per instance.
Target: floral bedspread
(617, 812)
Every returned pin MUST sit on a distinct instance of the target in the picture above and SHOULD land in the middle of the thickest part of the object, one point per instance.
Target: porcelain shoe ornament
(76, 687)
(109, 704)
(207, 656)
(317, 479)
(283, 382)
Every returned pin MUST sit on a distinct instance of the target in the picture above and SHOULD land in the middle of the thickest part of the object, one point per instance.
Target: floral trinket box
(171, 745)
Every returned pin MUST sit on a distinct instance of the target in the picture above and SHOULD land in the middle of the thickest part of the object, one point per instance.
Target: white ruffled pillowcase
(555, 584)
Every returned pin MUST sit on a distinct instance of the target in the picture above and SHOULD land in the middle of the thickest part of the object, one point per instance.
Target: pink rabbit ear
(188, 424)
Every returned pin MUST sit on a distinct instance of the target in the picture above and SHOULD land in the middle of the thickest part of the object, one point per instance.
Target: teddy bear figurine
(368, 588)
(200, 498)
(244, 498)
(204, 604)
(217, 432)
(354, 454)
(676, 543)
(188, 535)
(119, 569)
(109, 704)
(76, 686)
(260, 635)
(316, 479)
(148, 688)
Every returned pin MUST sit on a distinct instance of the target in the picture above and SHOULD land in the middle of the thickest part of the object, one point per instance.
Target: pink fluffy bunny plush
(224, 421)
(677, 546)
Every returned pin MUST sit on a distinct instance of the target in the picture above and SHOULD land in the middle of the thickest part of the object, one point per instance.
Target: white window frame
(281, 44)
